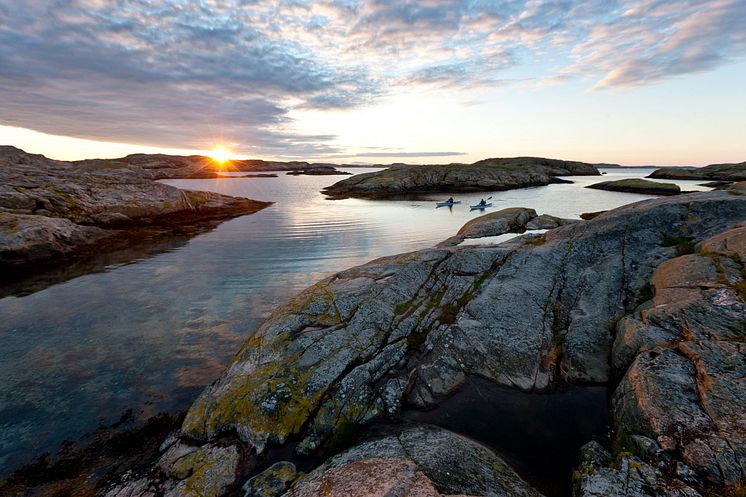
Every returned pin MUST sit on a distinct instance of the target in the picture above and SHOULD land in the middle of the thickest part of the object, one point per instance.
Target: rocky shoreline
(484, 175)
(647, 299)
(51, 211)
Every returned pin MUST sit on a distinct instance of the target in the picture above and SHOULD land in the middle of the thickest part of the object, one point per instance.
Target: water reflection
(149, 335)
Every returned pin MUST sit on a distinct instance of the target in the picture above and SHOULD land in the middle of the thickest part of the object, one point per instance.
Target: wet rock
(626, 476)
(272, 482)
(416, 463)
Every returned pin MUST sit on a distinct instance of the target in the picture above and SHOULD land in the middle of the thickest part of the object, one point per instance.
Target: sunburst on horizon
(220, 155)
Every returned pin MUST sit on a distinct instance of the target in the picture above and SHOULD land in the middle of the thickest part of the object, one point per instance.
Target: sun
(220, 155)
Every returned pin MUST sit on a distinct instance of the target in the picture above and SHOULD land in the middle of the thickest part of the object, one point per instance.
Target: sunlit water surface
(150, 335)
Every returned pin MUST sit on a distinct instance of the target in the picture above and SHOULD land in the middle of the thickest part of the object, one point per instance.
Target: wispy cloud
(408, 154)
(182, 74)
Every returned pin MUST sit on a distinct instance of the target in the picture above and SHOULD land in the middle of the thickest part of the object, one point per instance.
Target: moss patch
(684, 244)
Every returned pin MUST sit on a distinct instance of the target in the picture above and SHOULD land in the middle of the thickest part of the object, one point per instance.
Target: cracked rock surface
(686, 384)
(404, 331)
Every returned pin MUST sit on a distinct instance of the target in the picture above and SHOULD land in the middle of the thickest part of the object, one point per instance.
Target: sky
(377, 81)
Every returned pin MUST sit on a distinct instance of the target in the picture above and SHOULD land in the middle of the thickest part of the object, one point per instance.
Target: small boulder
(419, 462)
(498, 223)
(206, 472)
(273, 481)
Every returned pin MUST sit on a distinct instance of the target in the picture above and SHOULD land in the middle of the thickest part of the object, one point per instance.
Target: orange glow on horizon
(220, 156)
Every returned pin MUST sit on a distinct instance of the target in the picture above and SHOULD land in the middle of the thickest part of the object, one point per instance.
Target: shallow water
(149, 334)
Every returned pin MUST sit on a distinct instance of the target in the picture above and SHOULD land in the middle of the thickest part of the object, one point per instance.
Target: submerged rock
(420, 462)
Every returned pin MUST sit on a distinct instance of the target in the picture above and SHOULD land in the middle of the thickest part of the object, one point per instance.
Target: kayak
(480, 206)
(447, 203)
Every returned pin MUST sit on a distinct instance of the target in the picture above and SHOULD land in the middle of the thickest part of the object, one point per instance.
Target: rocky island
(713, 172)
(51, 209)
(484, 175)
(641, 186)
(647, 299)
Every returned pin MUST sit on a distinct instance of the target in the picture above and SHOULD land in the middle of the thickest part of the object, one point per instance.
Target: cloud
(408, 154)
(185, 74)
(654, 40)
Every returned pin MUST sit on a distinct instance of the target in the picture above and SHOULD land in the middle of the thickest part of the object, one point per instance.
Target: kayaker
(450, 200)
(483, 202)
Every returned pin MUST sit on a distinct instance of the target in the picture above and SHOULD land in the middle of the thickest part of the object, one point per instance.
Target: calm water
(149, 335)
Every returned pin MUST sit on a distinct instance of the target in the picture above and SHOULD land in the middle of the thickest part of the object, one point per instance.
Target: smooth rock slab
(421, 462)
(407, 329)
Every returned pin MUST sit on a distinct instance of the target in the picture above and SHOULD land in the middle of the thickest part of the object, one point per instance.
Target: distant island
(713, 172)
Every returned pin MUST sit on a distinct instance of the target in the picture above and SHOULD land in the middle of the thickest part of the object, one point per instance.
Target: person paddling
(483, 202)
(450, 200)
